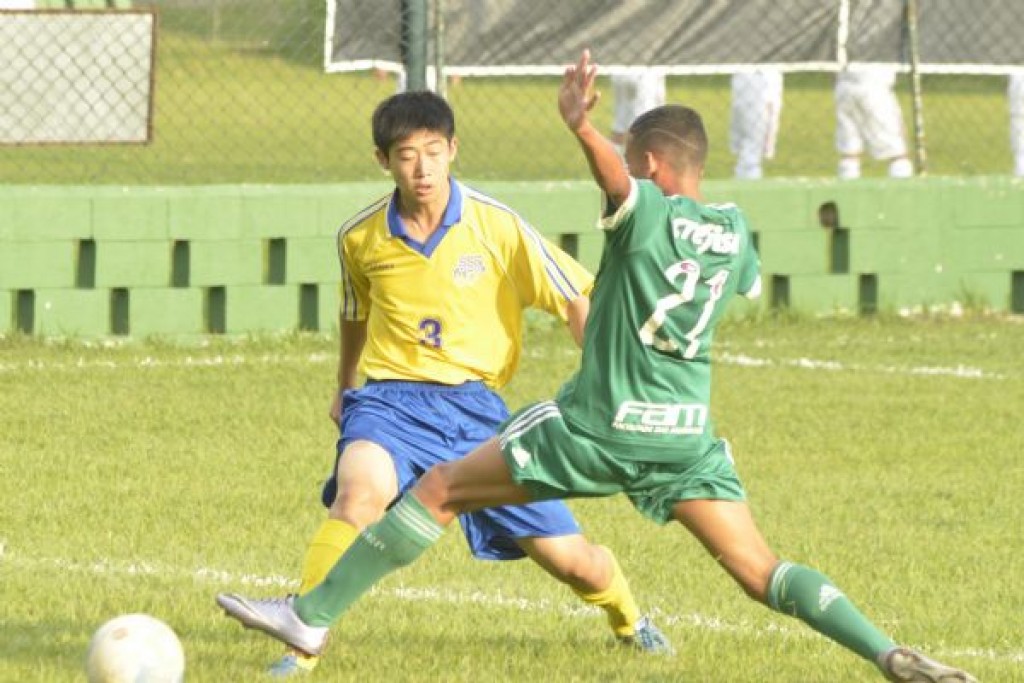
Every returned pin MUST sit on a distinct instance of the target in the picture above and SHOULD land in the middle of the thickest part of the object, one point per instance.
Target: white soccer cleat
(277, 618)
(903, 665)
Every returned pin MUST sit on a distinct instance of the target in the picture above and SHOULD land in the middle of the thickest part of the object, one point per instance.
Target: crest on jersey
(468, 269)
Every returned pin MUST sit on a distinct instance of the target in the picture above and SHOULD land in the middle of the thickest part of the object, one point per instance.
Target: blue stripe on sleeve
(554, 272)
(551, 266)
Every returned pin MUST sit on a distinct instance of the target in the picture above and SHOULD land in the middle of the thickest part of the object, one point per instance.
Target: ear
(653, 163)
(652, 160)
(382, 160)
(453, 149)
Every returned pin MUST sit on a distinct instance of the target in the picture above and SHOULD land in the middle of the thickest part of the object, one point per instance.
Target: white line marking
(696, 621)
(958, 371)
(321, 357)
(214, 361)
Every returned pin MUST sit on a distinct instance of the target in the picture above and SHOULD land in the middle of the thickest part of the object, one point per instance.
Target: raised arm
(576, 97)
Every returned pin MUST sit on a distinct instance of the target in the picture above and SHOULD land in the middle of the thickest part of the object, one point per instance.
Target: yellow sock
(616, 600)
(329, 543)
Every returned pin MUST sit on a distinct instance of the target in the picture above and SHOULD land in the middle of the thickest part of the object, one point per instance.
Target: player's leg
(363, 484)
(849, 143)
(369, 471)
(587, 569)
(754, 126)
(727, 530)
(746, 126)
(624, 96)
(1015, 98)
(547, 533)
(412, 525)
(883, 130)
(771, 87)
(650, 92)
(594, 574)
(543, 455)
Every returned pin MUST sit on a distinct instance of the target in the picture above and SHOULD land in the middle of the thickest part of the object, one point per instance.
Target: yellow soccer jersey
(450, 310)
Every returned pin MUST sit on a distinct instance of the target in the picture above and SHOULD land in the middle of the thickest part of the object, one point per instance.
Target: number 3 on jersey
(689, 271)
(430, 332)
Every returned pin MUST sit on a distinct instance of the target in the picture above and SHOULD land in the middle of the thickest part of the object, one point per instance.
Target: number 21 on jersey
(689, 272)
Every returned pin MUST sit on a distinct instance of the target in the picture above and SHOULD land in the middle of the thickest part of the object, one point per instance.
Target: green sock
(393, 542)
(808, 595)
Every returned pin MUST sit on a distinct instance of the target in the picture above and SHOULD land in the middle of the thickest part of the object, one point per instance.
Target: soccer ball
(135, 648)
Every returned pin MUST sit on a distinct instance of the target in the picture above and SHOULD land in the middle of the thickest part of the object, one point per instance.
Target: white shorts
(869, 115)
(634, 95)
(756, 110)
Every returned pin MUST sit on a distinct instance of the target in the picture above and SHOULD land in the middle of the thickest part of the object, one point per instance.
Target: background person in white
(869, 115)
(1015, 95)
(634, 94)
(754, 123)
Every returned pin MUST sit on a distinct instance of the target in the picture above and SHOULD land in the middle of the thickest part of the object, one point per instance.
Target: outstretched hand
(576, 96)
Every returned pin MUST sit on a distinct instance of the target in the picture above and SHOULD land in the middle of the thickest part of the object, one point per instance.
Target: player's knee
(592, 572)
(360, 506)
(755, 589)
(434, 487)
(754, 577)
(751, 568)
(581, 565)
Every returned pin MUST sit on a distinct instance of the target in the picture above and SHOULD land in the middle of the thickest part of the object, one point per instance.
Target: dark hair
(675, 130)
(399, 116)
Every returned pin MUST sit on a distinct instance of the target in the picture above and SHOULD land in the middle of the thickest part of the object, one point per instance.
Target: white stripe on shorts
(538, 413)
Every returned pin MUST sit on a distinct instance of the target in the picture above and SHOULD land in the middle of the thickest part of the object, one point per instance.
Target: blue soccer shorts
(421, 424)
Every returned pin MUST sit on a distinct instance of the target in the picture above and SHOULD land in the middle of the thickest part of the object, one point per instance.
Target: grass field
(148, 476)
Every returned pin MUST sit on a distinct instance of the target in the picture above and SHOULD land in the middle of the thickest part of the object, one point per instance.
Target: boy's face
(420, 165)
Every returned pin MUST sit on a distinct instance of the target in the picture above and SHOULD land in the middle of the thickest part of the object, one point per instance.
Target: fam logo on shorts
(468, 269)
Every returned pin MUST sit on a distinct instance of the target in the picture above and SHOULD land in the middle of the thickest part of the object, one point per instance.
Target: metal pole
(920, 151)
(414, 42)
(442, 86)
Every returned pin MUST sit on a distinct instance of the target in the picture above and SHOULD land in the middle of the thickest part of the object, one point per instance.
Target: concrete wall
(140, 261)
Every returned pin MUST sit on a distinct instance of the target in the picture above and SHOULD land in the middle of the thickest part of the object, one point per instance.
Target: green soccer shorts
(550, 460)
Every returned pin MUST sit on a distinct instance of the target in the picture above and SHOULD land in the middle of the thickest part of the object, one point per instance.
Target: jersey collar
(452, 215)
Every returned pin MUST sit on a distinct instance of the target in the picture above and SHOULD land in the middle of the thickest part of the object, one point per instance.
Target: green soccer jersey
(669, 267)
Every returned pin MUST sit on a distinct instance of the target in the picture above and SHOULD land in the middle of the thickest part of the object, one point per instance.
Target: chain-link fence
(261, 91)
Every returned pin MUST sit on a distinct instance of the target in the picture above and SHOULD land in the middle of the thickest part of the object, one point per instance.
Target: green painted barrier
(140, 261)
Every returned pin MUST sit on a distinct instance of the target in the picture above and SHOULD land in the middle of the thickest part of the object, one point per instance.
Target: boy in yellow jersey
(435, 277)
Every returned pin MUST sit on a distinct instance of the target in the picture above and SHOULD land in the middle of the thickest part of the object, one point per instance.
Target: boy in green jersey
(635, 418)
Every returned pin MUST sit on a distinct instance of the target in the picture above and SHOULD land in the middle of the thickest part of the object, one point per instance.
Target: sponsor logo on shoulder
(468, 269)
(661, 418)
(706, 236)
